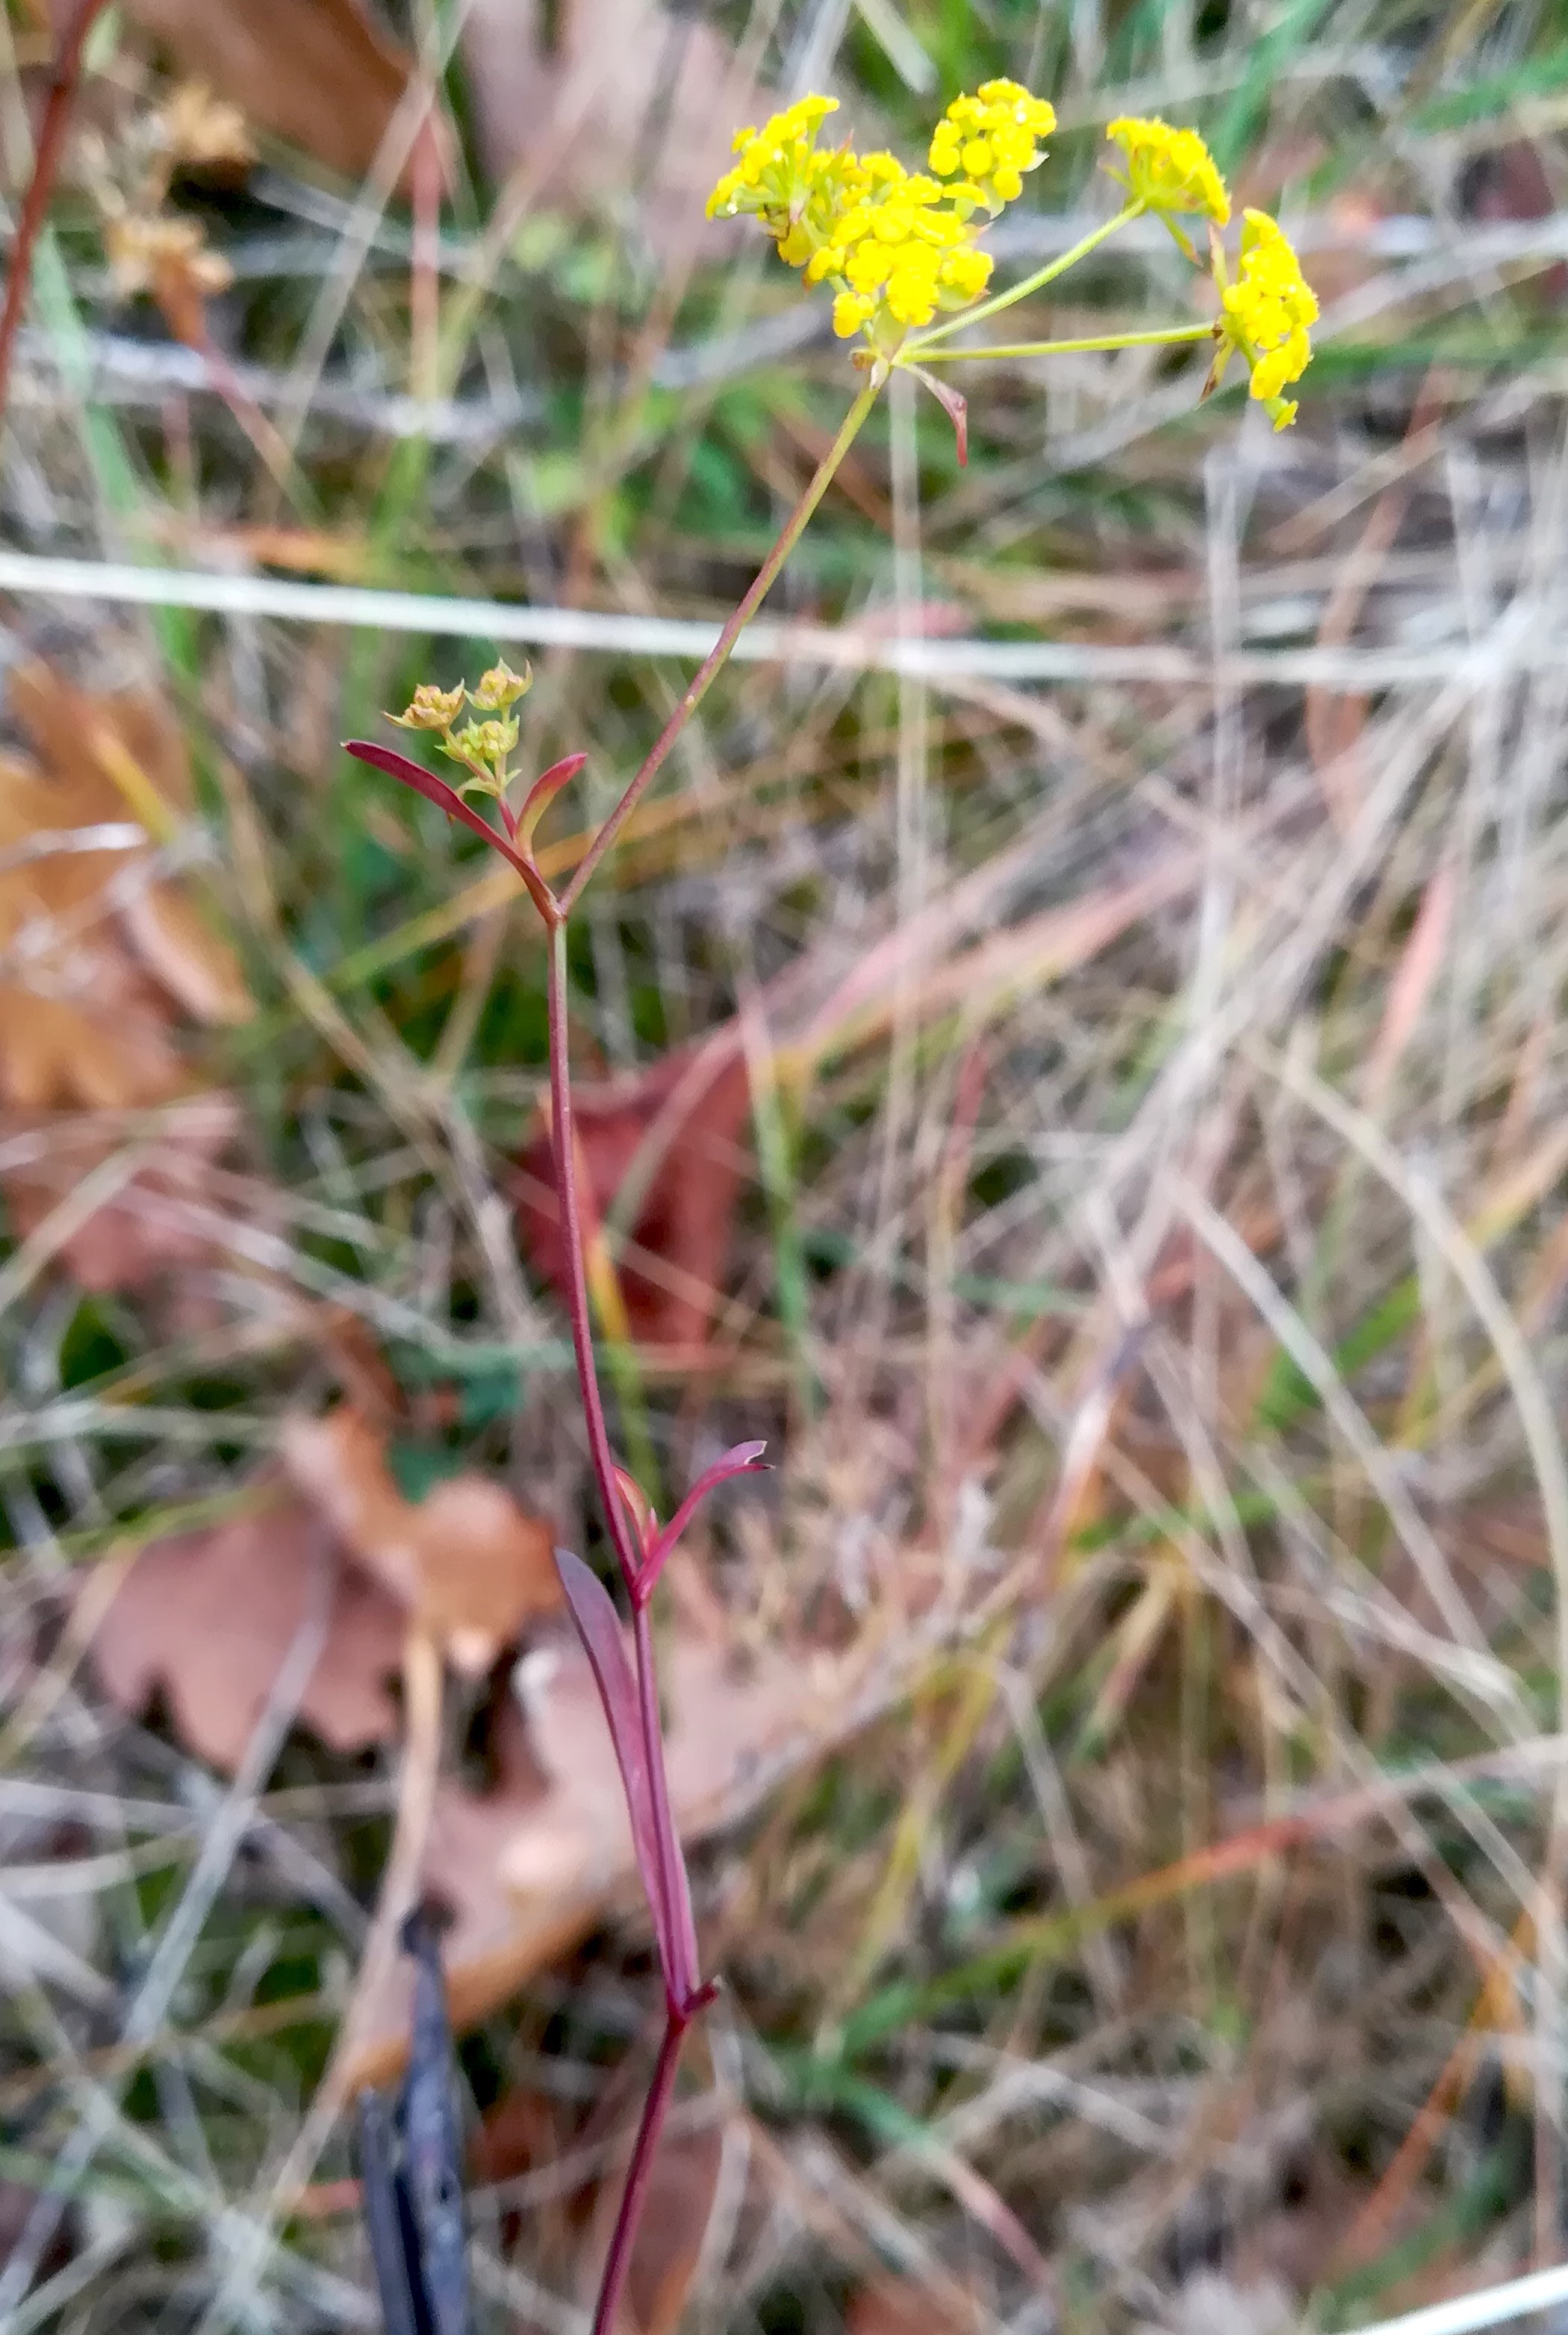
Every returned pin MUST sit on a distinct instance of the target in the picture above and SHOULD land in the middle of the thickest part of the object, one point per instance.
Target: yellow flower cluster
(992, 138)
(481, 747)
(782, 178)
(1265, 315)
(1169, 170)
(897, 245)
(899, 252)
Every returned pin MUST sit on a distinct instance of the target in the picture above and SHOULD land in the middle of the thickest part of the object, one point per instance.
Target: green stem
(1169, 336)
(1043, 276)
(718, 655)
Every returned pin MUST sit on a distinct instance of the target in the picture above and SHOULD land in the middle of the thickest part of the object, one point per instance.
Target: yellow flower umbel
(1265, 315)
(1169, 170)
(784, 178)
(897, 253)
(897, 245)
(992, 139)
(481, 747)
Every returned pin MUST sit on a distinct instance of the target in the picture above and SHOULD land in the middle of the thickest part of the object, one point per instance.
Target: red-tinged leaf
(605, 1643)
(543, 790)
(953, 404)
(425, 782)
(741, 1459)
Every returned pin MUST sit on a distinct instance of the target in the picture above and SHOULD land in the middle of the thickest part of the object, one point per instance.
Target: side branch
(719, 654)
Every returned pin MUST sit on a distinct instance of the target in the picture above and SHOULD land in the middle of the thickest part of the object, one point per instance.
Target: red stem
(64, 75)
(564, 1150)
(718, 655)
(684, 1994)
(618, 2261)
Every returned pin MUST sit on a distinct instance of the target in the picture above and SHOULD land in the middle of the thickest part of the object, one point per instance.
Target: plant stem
(1168, 335)
(1046, 275)
(683, 1993)
(618, 2261)
(565, 1151)
(718, 655)
(63, 76)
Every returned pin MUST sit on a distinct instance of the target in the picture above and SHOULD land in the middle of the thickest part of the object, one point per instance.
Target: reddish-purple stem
(64, 75)
(565, 1153)
(683, 1977)
(618, 2261)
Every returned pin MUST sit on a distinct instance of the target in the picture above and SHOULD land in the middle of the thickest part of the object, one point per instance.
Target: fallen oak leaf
(207, 1617)
(465, 1561)
(668, 2246)
(153, 1224)
(98, 964)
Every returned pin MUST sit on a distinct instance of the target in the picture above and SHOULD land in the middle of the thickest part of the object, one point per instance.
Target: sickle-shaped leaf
(425, 782)
(741, 1459)
(605, 1643)
(953, 404)
(543, 790)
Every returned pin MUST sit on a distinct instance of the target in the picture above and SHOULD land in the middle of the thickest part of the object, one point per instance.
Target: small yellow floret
(1266, 312)
(482, 745)
(1170, 169)
(500, 688)
(432, 708)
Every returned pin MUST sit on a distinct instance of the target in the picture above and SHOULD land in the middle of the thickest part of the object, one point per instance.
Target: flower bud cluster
(481, 747)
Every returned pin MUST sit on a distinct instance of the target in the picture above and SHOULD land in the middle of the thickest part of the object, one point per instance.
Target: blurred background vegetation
(1072, 1051)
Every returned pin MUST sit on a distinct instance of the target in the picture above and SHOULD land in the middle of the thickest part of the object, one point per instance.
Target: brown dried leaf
(677, 1128)
(152, 1224)
(898, 2306)
(208, 1617)
(568, 104)
(466, 1560)
(94, 960)
(321, 74)
(97, 965)
(682, 2187)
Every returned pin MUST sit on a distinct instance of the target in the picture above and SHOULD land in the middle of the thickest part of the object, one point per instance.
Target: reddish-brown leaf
(677, 1131)
(158, 1220)
(682, 2187)
(104, 966)
(527, 1869)
(322, 74)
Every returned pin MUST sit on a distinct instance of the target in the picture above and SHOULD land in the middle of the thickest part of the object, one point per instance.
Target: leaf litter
(525, 1867)
(108, 966)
